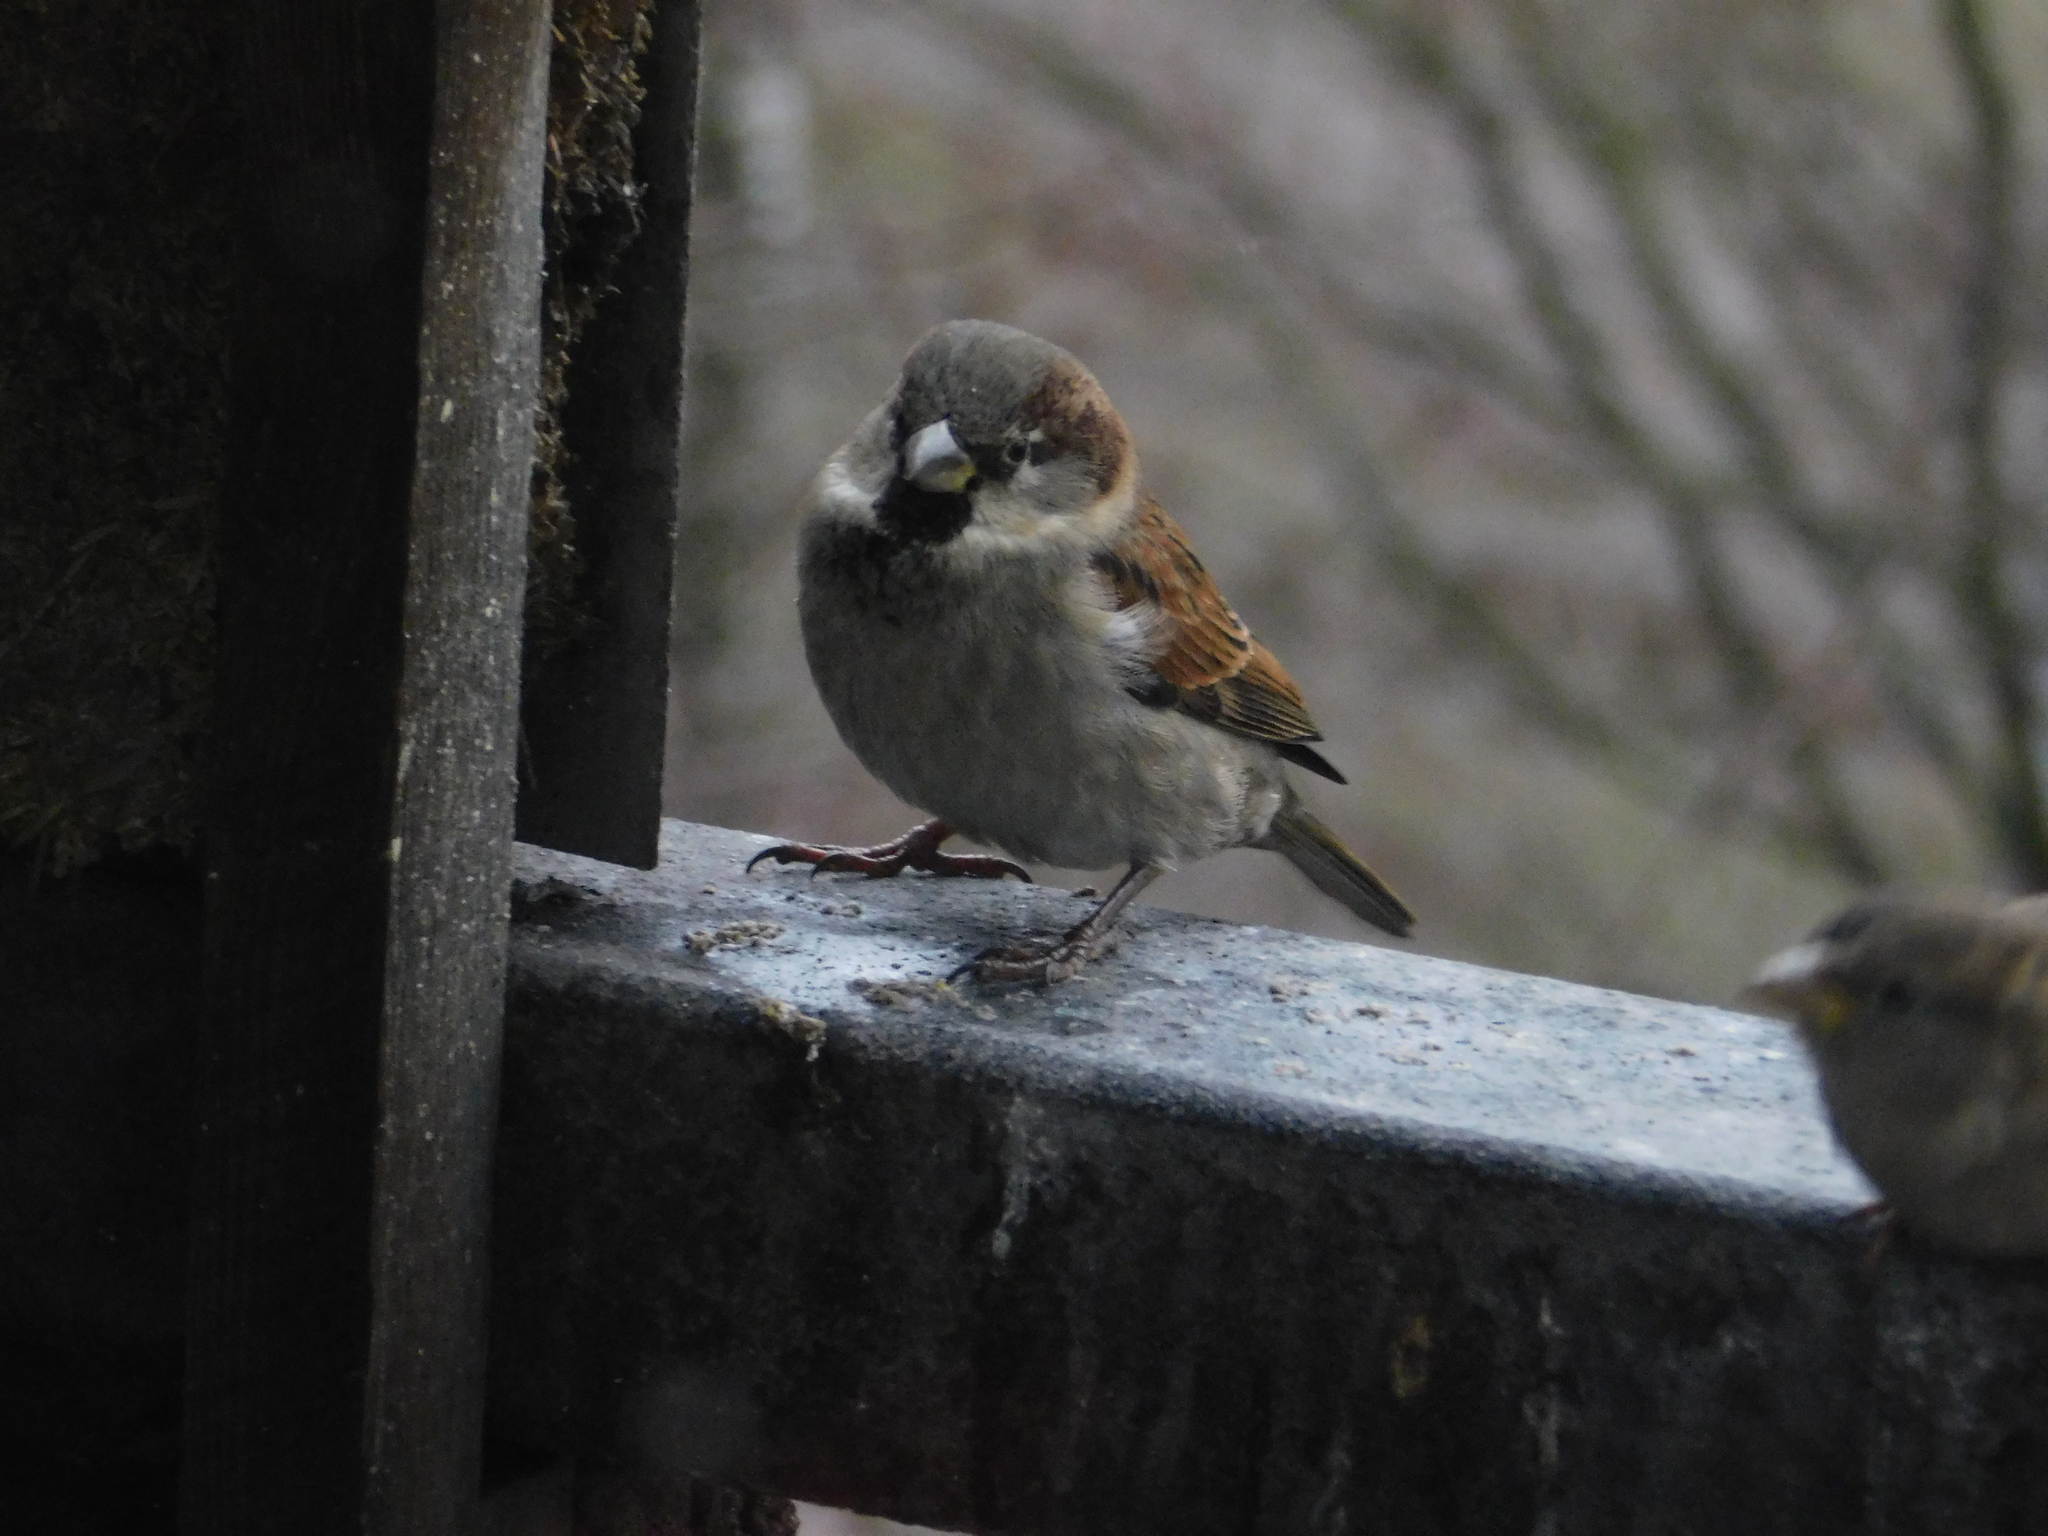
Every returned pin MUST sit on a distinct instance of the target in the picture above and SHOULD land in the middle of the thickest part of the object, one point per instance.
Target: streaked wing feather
(1212, 667)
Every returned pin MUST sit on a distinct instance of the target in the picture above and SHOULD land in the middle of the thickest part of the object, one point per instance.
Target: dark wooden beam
(1239, 1233)
(595, 714)
(371, 580)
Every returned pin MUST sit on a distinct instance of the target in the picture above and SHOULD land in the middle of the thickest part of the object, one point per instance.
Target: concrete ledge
(1239, 1232)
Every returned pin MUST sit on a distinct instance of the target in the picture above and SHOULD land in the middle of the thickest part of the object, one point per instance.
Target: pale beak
(1790, 981)
(934, 461)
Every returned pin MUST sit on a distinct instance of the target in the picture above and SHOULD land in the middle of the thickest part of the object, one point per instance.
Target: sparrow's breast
(989, 687)
(1934, 1127)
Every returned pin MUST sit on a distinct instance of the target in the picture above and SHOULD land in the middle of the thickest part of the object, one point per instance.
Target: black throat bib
(922, 517)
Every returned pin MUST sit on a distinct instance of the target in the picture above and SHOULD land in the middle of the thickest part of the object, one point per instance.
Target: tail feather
(1335, 870)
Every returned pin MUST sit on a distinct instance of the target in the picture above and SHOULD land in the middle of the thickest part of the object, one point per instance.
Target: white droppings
(1029, 1163)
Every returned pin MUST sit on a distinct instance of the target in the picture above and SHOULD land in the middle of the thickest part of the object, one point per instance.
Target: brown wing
(1207, 665)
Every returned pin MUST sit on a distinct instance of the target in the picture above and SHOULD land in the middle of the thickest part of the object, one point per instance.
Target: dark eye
(1018, 451)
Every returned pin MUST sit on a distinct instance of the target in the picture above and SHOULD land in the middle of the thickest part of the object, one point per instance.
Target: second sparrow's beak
(934, 461)
(1791, 983)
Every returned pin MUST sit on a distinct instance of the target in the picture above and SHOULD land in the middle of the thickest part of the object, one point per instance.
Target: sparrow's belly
(1012, 724)
(1999, 1207)
(1961, 1174)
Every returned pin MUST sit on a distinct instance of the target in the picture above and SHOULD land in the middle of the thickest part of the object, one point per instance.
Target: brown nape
(1070, 409)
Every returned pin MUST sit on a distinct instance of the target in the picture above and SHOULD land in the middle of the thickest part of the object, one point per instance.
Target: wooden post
(595, 720)
(358, 841)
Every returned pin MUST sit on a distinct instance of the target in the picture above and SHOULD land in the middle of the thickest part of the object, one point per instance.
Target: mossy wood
(594, 715)
(118, 270)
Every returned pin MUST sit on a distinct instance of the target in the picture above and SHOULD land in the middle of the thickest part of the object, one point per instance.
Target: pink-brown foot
(1063, 958)
(1039, 964)
(916, 849)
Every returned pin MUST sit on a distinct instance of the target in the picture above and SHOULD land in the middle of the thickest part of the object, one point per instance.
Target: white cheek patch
(838, 489)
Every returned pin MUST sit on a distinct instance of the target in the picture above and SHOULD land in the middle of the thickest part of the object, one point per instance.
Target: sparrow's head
(1889, 963)
(991, 427)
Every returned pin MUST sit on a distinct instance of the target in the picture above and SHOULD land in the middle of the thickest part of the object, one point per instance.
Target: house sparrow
(1928, 1025)
(1012, 635)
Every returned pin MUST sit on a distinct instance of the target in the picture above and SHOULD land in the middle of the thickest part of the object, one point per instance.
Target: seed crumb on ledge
(807, 1031)
(896, 994)
(751, 934)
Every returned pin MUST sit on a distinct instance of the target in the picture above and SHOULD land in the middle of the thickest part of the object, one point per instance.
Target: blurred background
(1627, 419)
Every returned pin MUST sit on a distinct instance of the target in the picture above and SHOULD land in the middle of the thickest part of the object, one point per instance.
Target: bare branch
(1983, 602)
(1745, 658)
(1690, 512)
(1609, 150)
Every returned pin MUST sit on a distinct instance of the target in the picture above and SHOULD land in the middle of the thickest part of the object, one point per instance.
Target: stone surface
(1340, 1035)
(1238, 1232)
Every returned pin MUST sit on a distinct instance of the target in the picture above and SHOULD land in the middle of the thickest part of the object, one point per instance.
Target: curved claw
(1007, 963)
(974, 866)
(916, 849)
(1039, 964)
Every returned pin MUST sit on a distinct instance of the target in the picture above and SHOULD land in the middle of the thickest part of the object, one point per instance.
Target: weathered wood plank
(458, 721)
(594, 720)
(372, 567)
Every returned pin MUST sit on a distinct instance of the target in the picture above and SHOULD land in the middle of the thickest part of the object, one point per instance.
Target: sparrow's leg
(916, 849)
(1064, 957)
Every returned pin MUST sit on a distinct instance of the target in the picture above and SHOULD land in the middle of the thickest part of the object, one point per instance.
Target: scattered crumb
(707, 890)
(897, 994)
(1319, 1016)
(1404, 1058)
(1680, 1050)
(1260, 1040)
(801, 1027)
(1287, 988)
(840, 908)
(751, 934)
(1370, 1011)
(1289, 1069)
(1087, 892)
(1431, 1045)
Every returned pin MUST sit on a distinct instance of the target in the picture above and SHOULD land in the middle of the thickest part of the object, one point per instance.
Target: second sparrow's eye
(1018, 451)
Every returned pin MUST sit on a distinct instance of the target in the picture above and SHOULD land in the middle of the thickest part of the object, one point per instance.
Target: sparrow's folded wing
(1205, 661)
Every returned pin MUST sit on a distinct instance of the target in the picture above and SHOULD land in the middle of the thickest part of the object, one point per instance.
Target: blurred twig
(1982, 599)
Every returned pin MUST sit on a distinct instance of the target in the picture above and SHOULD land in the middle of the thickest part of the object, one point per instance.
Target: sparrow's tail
(1335, 870)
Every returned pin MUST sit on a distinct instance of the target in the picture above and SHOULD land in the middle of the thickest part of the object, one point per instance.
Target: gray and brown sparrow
(1011, 634)
(1928, 1024)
